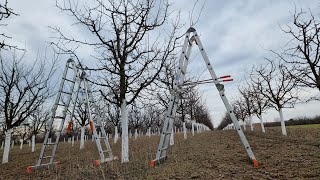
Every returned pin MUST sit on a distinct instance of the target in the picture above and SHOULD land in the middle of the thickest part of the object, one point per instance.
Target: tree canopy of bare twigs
(274, 82)
(5, 12)
(303, 50)
(23, 88)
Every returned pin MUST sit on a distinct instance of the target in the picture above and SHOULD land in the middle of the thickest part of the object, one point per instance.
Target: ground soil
(207, 155)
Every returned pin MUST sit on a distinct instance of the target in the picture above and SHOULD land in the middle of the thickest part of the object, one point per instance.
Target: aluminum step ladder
(163, 146)
(66, 99)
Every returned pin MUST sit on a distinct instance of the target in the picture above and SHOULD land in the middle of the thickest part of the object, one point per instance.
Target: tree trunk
(262, 125)
(5, 158)
(124, 136)
(149, 132)
(172, 138)
(251, 123)
(21, 143)
(283, 125)
(116, 135)
(72, 141)
(184, 130)
(33, 139)
(192, 128)
(244, 125)
(135, 134)
(82, 137)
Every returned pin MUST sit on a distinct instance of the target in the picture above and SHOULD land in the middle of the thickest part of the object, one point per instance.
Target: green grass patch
(305, 126)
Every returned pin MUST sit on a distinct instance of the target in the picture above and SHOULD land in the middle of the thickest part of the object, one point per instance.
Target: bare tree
(303, 52)
(37, 120)
(260, 104)
(23, 90)
(119, 34)
(274, 82)
(5, 12)
(240, 110)
(247, 103)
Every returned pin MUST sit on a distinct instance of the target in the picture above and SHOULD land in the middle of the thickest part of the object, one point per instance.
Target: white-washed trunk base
(116, 135)
(184, 130)
(21, 143)
(6, 150)
(33, 143)
(283, 125)
(124, 136)
(172, 138)
(262, 125)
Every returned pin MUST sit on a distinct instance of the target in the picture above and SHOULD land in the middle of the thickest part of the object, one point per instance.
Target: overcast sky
(235, 34)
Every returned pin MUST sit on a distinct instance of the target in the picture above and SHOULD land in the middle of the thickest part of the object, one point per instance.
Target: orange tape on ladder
(69, 127)
(91, 125)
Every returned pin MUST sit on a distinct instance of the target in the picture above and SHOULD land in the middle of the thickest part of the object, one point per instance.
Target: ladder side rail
(220, 88)
(64, 112)
(53, 113)
(98, 116)
(102, 157)
(180, 82)
(167, 126)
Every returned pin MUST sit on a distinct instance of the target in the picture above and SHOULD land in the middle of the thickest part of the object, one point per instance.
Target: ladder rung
(68, 80)
(102, 137)
(59, 117)
(61, 104)
(46, 157)
(106, 151)
(51, 143)
(66, 92)
(166, 132)
(163, 149)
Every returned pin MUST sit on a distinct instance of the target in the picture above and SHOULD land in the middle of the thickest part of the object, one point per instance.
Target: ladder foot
(255, 163)
(29, 169)
(96, 162)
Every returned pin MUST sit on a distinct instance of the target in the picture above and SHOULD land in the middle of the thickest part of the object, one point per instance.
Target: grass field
(207, 155)
(305, 126)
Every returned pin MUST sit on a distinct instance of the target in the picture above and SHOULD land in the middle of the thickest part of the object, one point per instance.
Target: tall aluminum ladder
(163, 146)
(95, 121)
(67, 97)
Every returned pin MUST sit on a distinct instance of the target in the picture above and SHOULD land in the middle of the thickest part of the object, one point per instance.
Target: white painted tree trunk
(283, 125)
(2, 145)
(244, 125)
(192, 128)
(124, 136)
(184, 130)
(77, 137)
(21, 143)
(5, 158)
(92, 137)
(172, 138)
(82, 137)
(12, 144)
(33, 142)
(135, 134)
(72, 141)
(251, 124)
(116, 135)
(262, 125)
(64, 140)
(149, 132)
(29, 143)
